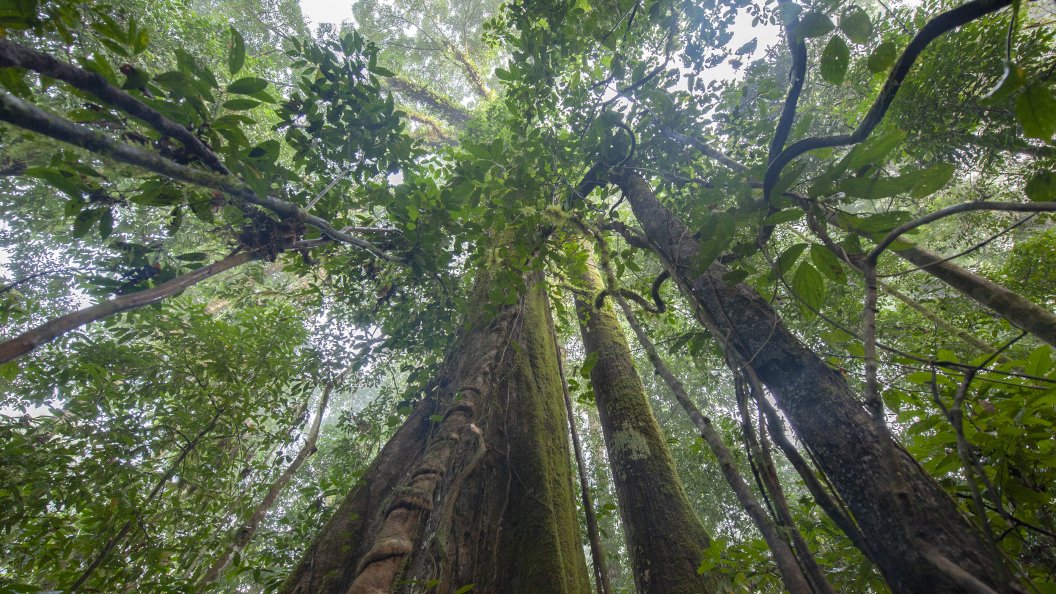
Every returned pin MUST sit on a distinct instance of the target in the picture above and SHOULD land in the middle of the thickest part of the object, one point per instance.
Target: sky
(336, 11)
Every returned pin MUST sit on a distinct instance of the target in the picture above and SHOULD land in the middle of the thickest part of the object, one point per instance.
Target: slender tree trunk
(597, 552)
(909, 520)
(784, 557)
(665, 538)
(244, 535)
(484, 497)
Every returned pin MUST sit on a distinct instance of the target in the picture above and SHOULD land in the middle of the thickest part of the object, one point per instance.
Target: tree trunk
(909, 520)
(784, 557)
(479, 492)
(665, 539)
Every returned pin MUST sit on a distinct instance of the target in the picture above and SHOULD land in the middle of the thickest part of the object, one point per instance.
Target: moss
(663, 533)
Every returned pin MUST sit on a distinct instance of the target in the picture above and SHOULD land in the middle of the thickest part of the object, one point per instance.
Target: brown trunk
(665, 539)
(785, 559)
(908, 519)
(482, 496)
(597, 552)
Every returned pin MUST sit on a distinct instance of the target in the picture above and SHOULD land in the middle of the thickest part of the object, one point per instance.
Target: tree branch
(15, 55)
(15, 111)
(937, 26)
(52, 329)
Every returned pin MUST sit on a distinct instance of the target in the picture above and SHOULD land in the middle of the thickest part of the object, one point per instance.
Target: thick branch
(15, 55)
(52, 329)
(15, 111)
(449, 110)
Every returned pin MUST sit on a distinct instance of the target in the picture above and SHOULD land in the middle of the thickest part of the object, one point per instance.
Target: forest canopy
(571, 296)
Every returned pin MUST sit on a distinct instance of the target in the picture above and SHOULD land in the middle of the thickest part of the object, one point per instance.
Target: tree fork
(899, 508)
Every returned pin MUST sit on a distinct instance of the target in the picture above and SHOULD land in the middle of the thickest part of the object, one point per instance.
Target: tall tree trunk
(484, 495)
(910, 522)
(784, 557)
(665, 538)
(597, 552)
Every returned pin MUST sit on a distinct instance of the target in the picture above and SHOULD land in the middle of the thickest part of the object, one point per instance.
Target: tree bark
(597, 552)
(784, 557)
(483, 496)
(665, 538)
(899, 508)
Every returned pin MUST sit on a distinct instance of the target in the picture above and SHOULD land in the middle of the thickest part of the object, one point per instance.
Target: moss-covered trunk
(913, 530)
(475, 488)
(665, 539)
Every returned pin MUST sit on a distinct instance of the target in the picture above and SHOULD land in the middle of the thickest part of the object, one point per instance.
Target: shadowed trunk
(664, 537)
(475, 488)
(910, 522)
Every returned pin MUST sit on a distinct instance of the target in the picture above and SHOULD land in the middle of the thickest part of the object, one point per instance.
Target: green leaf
(465, 588)
(933, 179)
(879, 223)
(588, 365)
(240, 104)
(814, 24)
(789, 257)
(735, 276)
(784, 216)
(882, 57)
(247, 85)
(236, 52)
(436, 418)
(1036, 112)
(1012, 79)
(106, 223)
(873, 151)
(834, 60)
(203, 209)
(827, 262)
(84, 221)
(809, 285)
(1042, 187)
(856, 25)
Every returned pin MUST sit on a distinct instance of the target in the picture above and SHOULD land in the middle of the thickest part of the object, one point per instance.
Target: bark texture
(900, 509)
(784, 557)
(480, 493)
(664, 537)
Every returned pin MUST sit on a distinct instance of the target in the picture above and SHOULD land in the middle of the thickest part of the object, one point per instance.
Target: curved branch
(872, 399)
(15, 55)
(1008, 304)
(952, 210)
(52, 329)
(797, 46)
(15, 111)
(943, 23)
